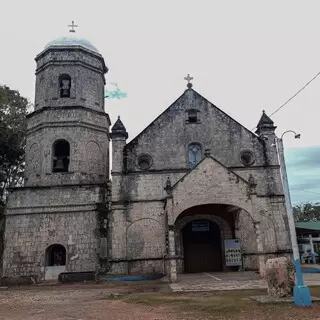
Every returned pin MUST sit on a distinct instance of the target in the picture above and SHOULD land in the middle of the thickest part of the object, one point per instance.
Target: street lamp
(301, 293)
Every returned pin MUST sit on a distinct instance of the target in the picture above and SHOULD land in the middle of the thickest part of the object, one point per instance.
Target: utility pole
(301, 293)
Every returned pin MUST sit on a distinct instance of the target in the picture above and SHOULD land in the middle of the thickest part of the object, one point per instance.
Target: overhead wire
(318, 194)
(295, 94)
(284, 104)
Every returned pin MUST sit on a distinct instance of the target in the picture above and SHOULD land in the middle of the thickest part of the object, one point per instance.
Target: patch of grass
(227, 303)
(315, 291)
(223, 305)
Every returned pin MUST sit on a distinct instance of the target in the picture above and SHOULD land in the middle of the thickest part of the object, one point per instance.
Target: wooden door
(202, 246)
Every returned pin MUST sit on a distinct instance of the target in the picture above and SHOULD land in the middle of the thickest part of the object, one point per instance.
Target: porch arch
(226, 218)
(225, 229)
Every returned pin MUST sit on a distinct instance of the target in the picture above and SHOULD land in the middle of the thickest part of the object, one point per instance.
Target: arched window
(65, 86)
(56, 255)
(61, 156)
(194, 154)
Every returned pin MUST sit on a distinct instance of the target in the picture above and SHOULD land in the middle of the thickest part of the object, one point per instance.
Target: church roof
(71, 42)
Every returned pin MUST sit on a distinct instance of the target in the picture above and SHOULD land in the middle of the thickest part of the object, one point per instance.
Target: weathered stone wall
(210, 182)
(137, 233)
(167, 138)
(52, 199)
(273, 227)
(80, 119)
(29, 235)
(87, 78)
(37, 217)
(118, 144)
(61, 208)
(76, 114)
(142, 186)
(2, 229)
(166, 141)
(89, 155)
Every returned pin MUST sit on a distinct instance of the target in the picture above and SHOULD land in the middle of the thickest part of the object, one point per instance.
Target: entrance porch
(208, 238)
(213, 238)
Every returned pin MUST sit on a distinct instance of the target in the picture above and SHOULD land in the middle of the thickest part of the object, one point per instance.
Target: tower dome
(71, 42)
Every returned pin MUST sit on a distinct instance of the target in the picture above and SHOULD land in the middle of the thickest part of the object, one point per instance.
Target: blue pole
(301, 293)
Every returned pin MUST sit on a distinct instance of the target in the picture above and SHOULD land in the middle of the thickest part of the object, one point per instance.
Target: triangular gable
(135, 140)
(209, 183)
(218, 163)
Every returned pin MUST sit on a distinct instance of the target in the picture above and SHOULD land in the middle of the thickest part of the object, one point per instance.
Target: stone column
(260, 252)
(172, 255)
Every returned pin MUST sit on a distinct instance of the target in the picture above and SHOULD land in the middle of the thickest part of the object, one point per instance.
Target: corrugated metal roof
(311, 225)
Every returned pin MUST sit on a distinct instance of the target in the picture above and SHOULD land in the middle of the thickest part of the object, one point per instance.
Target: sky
(245, 56)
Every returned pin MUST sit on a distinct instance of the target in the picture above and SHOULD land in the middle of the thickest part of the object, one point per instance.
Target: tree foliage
(13, 111)
(307, 212)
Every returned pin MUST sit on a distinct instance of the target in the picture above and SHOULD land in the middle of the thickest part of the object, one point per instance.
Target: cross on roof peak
(72, 26)
(188, 78)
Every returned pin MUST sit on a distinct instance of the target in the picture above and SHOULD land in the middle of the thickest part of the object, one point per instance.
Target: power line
(318, 194)
(293, 96)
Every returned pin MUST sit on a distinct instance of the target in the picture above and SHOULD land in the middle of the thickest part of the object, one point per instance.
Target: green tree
(13, 111)
(307, 211)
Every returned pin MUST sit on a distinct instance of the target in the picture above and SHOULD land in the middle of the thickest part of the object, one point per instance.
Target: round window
(144, 162)
(247, 158)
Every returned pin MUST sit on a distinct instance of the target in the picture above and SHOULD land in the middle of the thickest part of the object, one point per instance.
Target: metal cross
(72, 26)
(188, 78)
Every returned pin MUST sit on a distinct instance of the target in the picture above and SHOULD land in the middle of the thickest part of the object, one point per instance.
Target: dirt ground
(80, 302)
(149, 300)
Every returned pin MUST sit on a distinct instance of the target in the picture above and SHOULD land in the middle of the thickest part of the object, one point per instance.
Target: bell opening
(61, 156)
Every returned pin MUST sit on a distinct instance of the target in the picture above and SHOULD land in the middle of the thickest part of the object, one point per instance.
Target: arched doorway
(202, 246)
(56, 255)
(55, 261)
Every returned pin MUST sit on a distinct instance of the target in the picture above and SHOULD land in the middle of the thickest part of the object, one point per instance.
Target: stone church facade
(195, 191)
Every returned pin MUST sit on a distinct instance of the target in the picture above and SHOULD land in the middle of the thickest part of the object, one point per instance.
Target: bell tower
(68, 132)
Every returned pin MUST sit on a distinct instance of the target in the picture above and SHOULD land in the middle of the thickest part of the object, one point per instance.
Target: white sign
(232, 252)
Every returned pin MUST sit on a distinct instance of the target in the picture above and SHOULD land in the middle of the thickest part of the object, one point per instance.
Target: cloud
(303, 167)
(303, 157)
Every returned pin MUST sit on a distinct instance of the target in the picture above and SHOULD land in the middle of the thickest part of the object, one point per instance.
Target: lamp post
(301, 293)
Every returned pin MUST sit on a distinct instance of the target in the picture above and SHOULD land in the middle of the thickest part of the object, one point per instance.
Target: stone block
(280, 277)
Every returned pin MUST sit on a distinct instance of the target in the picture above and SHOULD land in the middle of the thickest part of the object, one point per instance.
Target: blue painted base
(301, 296)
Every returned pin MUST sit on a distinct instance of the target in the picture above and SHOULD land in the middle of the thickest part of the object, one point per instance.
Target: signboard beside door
(232, 252)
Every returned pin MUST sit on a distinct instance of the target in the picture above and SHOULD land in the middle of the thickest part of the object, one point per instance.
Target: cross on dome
(72, 26)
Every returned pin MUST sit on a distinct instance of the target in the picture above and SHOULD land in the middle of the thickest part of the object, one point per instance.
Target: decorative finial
(263, 111)
(168, 187)
(188, 78)
(72, 26)
(118, 117)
